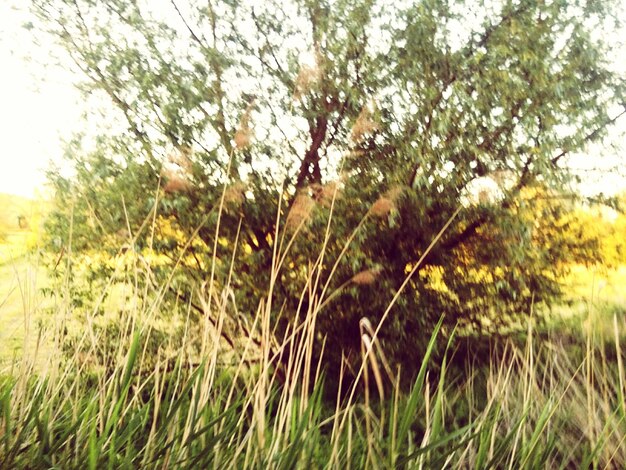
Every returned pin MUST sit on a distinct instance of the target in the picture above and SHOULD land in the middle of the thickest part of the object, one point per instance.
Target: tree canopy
(366, 126)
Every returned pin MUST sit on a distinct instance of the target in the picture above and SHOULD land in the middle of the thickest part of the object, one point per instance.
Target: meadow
(115, 392)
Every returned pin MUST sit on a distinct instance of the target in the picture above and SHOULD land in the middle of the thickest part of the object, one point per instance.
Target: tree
(385, 115)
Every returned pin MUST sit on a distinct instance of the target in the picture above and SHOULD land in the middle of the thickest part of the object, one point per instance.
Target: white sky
(39, 107)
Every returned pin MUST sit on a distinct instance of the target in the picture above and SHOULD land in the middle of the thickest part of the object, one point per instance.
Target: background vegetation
(327, 233)
(246, 128)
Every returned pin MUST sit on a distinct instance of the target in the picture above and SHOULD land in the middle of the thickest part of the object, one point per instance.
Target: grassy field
(11, 310)
(135, 393)
(21, 276)
(539, 403)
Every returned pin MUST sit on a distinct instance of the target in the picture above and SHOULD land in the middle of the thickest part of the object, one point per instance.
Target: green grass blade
(412, 404)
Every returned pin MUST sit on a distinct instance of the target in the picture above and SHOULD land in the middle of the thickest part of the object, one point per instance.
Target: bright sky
(39, 107)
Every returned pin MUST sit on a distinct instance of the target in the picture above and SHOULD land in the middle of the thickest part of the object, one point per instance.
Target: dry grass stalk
(368, 347)
(363, 126)
(366, 327)
(300, 211)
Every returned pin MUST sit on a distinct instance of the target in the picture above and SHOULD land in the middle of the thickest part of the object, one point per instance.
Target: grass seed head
(382, 207)
(300, 211)
(363, 126)
(325, 194)
(175, 181)
(330, 191)
(308, 76)
(386, 203)
(355, 153)
(366, 277)
(182, 158)
(234, 196)
(244, 133)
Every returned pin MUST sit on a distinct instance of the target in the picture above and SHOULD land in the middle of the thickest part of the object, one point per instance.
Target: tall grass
(127, 397)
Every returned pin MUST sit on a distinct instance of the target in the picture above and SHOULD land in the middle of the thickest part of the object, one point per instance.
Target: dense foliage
(366, 126)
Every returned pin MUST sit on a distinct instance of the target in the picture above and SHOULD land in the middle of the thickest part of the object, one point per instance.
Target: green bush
(337, 139)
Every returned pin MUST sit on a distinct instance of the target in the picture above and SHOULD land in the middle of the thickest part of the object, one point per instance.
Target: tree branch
(591, 136)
